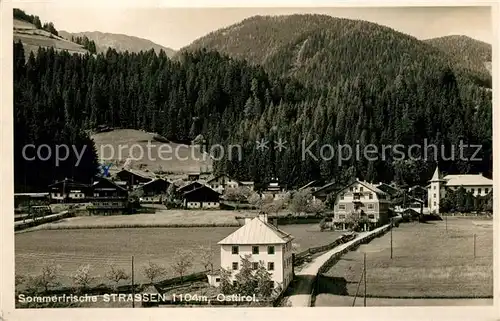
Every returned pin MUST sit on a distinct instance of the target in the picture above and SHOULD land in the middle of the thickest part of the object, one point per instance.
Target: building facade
(363, 199)
(201, 198)
(154, 191)
(223, 182)
(477, 184)
(68, 190)
(261, 242)
(108, 196)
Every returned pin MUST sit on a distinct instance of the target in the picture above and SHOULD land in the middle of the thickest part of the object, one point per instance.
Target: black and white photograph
(219, 157)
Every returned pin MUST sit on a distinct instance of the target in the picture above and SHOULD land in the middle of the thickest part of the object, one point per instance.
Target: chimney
(275, 222)
(263, 217)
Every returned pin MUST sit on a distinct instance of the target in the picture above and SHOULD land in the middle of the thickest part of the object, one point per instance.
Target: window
(341, 206)
(255, 265)
(341, 216)
(270, 266)
(478, 191)
(234, 283)
(255, 250)
(217, 279)
(370, 206)
(341, 196)
(371, 216)
(370, 196)
(472, 190)
(361, 189)
(235, 265)
(486, 190)
(270, 250)
(235, 250)
(434, 195)
(356, 196)
(350, 189)
(434, 203)
(434, 187)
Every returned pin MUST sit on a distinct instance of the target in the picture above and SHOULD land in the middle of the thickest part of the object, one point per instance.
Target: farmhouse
(153, 191)
(322, 193)
(68, 190)
(201, 197)
(363, 199)
(107, 196)
(477, 184)
(134, 177)
(222, 182)
(263, 242)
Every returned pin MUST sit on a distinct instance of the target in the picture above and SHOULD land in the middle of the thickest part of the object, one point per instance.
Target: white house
(362, 197)
(436, 190)
(222, 182)
(263, 242)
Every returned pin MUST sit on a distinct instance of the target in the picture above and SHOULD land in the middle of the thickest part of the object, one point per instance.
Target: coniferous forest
(59, 98)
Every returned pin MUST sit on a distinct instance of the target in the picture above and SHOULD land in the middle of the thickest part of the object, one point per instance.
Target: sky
(178, 27)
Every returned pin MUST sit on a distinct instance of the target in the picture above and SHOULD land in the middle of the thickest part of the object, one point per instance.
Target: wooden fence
(299, 258)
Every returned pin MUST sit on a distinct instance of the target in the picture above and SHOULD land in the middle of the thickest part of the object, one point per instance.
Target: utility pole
(474, 245)
(391, 237)
(364, 276)
(446, 222)
(133, 290)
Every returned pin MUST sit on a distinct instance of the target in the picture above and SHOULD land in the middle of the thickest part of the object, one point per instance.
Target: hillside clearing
(170, 157)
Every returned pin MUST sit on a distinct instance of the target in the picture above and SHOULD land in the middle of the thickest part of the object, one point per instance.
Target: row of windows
(107, 204)
(356, 196)
(342, 216)
(369, 206)
(255, 266)
(255, 249)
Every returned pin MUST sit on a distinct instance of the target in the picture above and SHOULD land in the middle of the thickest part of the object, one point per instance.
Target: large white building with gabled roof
(436, 190)
(263, 242)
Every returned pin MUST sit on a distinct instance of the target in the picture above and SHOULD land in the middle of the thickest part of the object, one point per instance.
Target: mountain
(119, 42)
(313, 82)
(320, 49)
(467, 53)
(34, 38)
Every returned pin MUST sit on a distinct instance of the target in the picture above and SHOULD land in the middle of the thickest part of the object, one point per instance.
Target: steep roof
(70, 183)
(104, 180)
(257, 232)
(467, 180)
(437, 175)
(140, 173)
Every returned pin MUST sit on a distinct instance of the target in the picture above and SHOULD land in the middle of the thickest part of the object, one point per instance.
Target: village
(259, 252)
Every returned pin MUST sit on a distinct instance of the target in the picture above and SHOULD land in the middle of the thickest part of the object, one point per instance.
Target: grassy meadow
(101, 247)
(434, 259)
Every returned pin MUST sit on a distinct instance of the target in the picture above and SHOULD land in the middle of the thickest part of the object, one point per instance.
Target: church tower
(436, 191)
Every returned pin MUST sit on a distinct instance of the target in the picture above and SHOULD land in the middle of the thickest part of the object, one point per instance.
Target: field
(162, 218)
(100, 247)
(172, 157)
(33, 38)
(429, 261)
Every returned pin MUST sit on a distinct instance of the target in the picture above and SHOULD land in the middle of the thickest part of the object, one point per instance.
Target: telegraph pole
(364, 276)
(391, 237)
(446, 222)
(133, 290)
(474, 245)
